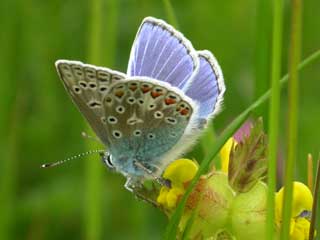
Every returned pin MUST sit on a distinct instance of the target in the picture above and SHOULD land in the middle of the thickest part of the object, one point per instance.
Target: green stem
(315, 203)
(170, 13)
(208, 139)
(295, 49)
(93, 204)
(262, 53)
(274, 113)
(101, 27)
(230, 130)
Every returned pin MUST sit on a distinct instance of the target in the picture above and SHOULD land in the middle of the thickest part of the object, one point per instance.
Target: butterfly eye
(107, 159)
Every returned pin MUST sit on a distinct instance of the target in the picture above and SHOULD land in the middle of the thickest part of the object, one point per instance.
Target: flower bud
(248, 213)
(210, 202)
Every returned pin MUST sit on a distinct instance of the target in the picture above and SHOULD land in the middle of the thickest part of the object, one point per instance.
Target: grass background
(38, 122)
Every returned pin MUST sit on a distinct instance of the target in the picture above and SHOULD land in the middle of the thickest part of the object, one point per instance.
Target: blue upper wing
(208, 86)
(161, 52)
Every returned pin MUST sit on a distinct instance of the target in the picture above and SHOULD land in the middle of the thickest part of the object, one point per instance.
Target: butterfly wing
(87, 84)
(146, 119)
(161, 52)
(208, 86)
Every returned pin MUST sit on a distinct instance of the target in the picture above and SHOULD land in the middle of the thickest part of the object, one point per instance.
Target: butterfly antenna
(80, 155)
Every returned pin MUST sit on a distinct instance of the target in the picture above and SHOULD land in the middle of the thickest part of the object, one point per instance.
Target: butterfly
(152, 114)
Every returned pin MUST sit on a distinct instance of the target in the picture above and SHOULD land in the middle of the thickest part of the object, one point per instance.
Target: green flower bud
(248, 213)
(209, 206)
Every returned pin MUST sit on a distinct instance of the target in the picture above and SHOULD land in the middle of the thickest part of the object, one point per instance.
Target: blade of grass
(230, 130)
(188, 228)
(208, 139)
(100, 28)
(315, 203)
(93, 203)
(170, 13)
(262, 53)
(294, 58)
(310, 171)
(274, 113)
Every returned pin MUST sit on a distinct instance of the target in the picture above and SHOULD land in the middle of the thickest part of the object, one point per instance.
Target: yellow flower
(299, 229)
(301, 201)
(225, 154)
(179, 173)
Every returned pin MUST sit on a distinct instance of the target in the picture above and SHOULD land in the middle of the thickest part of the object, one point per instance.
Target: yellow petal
(172, 197)
(300, 230)
(302, 200)
(180, 171)
(162, 197)
(225, 154)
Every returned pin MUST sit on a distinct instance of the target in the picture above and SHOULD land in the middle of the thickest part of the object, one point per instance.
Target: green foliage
(293, 94)
(274, 109)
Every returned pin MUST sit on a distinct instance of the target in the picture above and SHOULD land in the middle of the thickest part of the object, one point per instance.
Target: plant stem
(262, 53)
(100, 28)
(315, 203)
(310, 171)
(229, 131)
(294, 58)
(93, 203)
(274, 113)
(170, 13)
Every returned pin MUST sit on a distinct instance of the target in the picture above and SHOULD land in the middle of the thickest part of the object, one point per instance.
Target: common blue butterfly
(151, 115)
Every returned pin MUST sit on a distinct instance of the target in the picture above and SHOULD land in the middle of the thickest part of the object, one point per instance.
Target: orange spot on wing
(145, 89)
(170, 101)
(184, 111)
(119, 93)
(156, 94)
(133, 88)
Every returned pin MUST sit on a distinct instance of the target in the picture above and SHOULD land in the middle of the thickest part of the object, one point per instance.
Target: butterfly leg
(159, 180)
(140, 191)
(131, 184)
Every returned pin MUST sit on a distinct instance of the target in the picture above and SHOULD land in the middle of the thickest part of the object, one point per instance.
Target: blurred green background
(39, 123)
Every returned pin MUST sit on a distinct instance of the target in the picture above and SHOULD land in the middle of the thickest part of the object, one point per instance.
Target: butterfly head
(132, 166)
